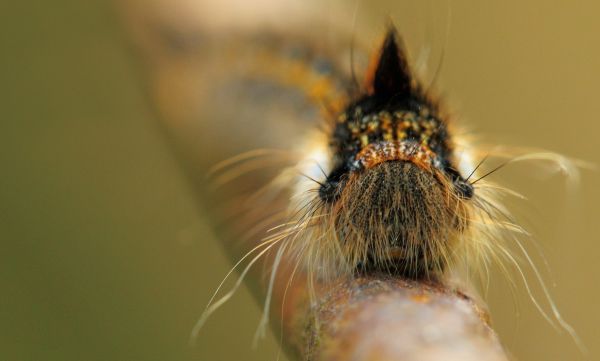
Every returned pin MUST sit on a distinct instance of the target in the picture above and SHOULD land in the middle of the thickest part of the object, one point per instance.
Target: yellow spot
(364, 140)
(372, 125)
(354, 128)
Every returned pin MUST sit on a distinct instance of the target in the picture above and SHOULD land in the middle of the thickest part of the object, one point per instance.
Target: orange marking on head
(377, 153)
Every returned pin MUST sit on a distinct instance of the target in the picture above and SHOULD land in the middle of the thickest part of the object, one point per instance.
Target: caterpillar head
(395, 198)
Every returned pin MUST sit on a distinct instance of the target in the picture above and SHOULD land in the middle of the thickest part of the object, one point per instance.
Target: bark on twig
(380, 317)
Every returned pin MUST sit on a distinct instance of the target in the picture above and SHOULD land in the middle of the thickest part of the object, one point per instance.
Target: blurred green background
(104, 253)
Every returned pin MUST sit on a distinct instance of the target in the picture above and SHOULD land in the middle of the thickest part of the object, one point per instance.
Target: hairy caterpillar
(387, 185)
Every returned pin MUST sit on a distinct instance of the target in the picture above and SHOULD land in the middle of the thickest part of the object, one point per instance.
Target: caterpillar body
(351, 177)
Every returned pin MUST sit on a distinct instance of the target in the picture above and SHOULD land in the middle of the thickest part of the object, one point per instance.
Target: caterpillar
(373, 176)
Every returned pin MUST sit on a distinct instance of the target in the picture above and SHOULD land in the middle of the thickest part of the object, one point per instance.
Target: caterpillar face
(394, 194)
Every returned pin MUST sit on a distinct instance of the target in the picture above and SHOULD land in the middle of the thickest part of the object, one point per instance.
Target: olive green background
(104, 255)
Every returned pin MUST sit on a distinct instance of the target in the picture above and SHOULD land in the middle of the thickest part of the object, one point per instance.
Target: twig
(380, 317)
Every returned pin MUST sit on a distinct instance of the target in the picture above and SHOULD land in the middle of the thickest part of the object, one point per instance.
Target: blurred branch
(379, 317)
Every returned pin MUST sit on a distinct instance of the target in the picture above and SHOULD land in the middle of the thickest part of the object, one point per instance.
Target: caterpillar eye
(329, 191)
(463, 188)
